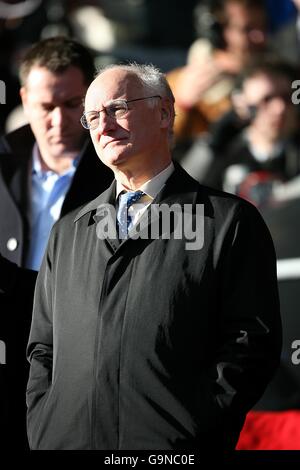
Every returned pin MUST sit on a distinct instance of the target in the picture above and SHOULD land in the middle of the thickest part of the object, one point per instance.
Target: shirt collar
(153, 186)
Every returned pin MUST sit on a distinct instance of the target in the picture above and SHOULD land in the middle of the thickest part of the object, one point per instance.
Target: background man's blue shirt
(48, 191)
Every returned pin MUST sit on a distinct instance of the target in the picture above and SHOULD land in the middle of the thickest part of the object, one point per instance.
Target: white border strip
(288, 269)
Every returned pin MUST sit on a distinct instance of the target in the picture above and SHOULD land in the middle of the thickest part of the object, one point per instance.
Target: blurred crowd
(233, 66)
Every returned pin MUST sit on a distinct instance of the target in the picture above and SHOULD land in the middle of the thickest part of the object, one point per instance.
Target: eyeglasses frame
(83, 117)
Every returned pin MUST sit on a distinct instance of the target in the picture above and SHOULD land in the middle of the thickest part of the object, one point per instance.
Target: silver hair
(152, 79)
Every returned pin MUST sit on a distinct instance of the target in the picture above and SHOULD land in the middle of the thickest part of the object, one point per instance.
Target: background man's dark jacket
(16, 283)
(147, 344)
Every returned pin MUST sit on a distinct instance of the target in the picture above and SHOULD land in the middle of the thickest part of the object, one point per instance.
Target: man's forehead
(112, 84)
(41, 74)
(44, 85)
(115, 79)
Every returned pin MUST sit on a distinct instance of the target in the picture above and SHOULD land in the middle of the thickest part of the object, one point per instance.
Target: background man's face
(53, 104)
(133, 140)
(275, 115)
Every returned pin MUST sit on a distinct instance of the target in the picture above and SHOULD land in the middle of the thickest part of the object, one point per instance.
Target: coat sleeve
(40, 345)
(250, 334)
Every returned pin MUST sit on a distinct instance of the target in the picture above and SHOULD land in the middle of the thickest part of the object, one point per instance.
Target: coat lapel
(180, 189)
(103, 214)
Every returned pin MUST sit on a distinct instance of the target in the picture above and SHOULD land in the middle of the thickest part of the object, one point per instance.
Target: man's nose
(58, 116)
(105, 123)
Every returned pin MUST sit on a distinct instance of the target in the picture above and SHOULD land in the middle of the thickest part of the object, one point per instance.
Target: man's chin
(114, 157)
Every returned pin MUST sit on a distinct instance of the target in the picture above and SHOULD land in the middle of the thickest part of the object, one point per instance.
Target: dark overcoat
(145, 344)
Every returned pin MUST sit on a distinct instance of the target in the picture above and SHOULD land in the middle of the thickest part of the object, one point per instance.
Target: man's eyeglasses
(116, 110)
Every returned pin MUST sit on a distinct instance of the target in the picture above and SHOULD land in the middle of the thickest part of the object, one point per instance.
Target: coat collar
(179, 187)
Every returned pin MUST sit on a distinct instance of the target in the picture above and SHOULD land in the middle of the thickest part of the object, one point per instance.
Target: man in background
(266, 151)
(47, 168)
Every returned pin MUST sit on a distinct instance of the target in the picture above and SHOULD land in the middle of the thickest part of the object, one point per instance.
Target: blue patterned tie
(123, 218)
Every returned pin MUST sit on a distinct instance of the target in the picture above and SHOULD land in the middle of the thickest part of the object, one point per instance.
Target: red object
(271, 430)
(258, 186)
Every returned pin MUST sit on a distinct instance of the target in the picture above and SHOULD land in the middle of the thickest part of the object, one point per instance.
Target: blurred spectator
(202, 88)
(267, 150)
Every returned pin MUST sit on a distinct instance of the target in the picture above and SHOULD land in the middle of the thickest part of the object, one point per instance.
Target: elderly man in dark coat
(156, 320)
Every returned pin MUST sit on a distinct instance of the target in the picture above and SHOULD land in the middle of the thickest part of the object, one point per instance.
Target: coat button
(12, 244)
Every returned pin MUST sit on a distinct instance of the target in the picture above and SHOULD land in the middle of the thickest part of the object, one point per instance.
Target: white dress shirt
(151, 188)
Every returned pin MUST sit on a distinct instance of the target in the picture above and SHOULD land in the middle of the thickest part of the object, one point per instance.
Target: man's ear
(23, 95)
(167, 113)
